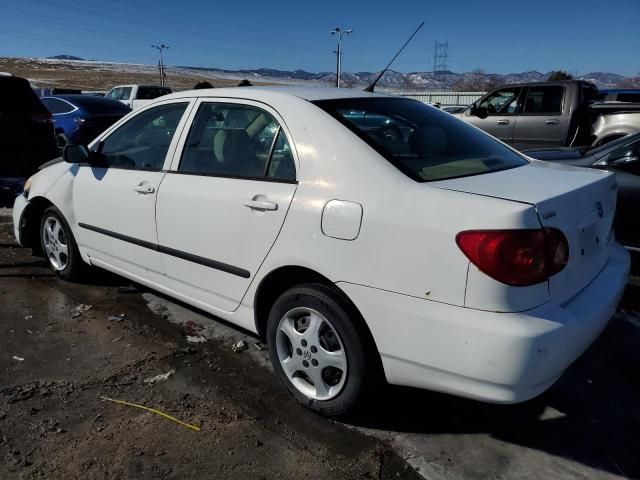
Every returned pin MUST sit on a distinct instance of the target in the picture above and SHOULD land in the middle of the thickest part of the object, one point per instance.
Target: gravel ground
(58, 360)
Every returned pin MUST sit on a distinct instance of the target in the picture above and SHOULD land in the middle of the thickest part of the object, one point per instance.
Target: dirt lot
(57, 362)
(54, 424)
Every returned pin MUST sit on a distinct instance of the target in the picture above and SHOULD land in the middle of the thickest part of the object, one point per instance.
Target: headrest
(427, 141)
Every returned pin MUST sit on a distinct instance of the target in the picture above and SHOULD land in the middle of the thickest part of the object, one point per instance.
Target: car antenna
(373, 85)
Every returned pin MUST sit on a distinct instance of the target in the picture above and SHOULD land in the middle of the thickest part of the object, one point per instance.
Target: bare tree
(475, 81)
(202, 84)
(559, 75)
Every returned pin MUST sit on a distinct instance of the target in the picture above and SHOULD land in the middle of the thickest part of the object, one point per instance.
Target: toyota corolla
(367, 237)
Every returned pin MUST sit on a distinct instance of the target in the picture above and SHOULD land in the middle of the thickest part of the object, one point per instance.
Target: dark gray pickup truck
(552, 114)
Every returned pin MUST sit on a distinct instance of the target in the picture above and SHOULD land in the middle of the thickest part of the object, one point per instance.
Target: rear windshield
(96, 105)
(149, 93)
(425, 143)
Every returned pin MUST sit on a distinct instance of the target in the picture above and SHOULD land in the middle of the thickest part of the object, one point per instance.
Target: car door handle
(503, 122)
(262, 205)
(552, 122)
(144, 189)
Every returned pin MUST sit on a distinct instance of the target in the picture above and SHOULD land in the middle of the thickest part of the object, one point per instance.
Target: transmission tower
(440, 56)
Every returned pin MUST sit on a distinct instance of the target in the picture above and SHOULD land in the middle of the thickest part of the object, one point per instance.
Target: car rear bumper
(489, 356)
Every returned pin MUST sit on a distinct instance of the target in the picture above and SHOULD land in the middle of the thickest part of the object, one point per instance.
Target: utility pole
(161, 63)
(340, 33)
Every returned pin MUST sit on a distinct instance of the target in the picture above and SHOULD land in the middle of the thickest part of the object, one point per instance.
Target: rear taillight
(516, 257)
(42, 117)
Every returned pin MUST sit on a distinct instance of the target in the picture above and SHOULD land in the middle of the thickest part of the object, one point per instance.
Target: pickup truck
(134, 96)
(551, 115)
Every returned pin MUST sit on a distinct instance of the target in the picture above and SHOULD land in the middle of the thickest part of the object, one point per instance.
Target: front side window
(544, 100)
(503, 101)
(125, 93)
(423, 142)
(57, 106)
(114, 94)
(236, 140)
(143, 141)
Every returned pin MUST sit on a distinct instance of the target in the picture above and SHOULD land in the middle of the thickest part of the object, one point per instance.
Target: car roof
(545, 83)
(258, 93)
(140, 85)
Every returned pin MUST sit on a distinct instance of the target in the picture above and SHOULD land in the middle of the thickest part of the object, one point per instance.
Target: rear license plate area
(589, 240)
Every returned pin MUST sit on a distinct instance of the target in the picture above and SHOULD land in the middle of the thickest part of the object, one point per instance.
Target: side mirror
(76, 154)
(81, 154)
(624, 158)
(477, 111)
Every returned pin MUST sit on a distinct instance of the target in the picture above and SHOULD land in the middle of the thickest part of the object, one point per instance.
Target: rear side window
(57, 106)
(544, 100)
(425, 143)
(142, 142)
(100, 105)
(234, 140)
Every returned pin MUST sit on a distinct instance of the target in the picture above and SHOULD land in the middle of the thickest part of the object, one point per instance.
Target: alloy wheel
(55, 243)
(311, 353)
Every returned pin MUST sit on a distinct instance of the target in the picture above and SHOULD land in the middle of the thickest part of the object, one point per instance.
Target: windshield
(423, 142)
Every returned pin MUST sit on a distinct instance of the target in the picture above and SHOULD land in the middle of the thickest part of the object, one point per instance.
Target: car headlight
(27, 186)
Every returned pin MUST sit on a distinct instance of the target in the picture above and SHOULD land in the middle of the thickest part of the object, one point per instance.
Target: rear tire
(318, 351)
(59, 247)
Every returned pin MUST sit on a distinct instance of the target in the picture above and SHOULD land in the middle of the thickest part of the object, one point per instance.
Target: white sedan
(367, 237)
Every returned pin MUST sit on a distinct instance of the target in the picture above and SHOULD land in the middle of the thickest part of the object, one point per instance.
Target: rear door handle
(552, 122)
(261, 205)
(503, 122)
(144, 189)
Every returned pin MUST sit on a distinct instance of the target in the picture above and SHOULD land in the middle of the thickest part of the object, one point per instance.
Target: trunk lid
(578, 201)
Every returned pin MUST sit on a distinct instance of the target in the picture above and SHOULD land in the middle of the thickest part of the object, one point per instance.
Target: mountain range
(393, 80)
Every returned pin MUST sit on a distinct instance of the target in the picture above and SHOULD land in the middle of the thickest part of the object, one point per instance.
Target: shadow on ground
(591, 416)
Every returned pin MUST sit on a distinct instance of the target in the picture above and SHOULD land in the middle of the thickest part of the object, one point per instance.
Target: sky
(497, 36)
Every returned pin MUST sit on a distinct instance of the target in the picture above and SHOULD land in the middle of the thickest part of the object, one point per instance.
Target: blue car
(78, 119)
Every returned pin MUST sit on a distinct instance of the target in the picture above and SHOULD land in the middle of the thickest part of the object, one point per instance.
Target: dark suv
(27, 137)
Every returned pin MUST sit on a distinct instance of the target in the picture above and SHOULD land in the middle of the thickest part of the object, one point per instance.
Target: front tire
(317, 350)
(59, 246)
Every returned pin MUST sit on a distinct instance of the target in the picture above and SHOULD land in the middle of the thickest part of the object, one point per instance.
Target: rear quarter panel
(615, 125)
(406, 242)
